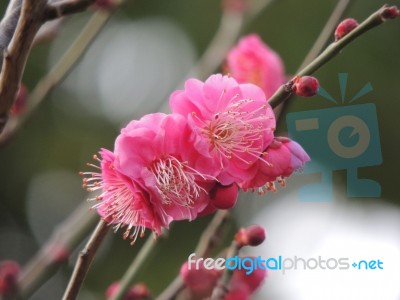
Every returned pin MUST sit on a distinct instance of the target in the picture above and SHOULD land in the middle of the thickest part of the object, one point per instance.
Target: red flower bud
(9, 271)
(238, 293)
(306, 86)
(345, 27)
(139, 291)
(224, 197)
(391, 12)
(105, 4)
(59, 253)
(20, 101)
(234, 5)
(201, 280)
(251, 236)
(252, 281)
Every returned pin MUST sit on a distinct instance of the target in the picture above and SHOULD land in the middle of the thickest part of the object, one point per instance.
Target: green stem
(285, 91)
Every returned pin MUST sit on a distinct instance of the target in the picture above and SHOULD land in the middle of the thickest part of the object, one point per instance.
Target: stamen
(236, 131)
(176, 181)
(115, 201)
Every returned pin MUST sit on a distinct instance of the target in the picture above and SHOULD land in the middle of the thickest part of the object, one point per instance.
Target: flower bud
(391, 12)
(305, 86)
(105, 4)
(20, 101)
(251, 236)
(234, 5)
(59, 253)
(199, 280)
(252, 281)
(9, 271)
(139, 291)
(345, 27)
(224, 197)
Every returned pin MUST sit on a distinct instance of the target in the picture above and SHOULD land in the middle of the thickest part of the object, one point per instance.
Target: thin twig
(137, 263)
(256, 8)
(8, 25)
(58, 72)
(222, 286)
(66, 237)
(319, 44)
(16, 55)
(175, 287)
(230, 26)
(33, 15)
(206, 243)
(84, 260)
(66, 7)
(207, 239)
(285, 91)
(326, 32)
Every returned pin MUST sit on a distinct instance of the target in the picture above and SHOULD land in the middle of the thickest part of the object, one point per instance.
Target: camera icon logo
(338, 138)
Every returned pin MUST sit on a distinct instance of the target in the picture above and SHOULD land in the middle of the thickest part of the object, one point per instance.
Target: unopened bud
(234, 5)
(105, 4)
(139, 291)
(20, 101)
(9, 271)
(305, 86)
(345, 27)
(59, 253)
(251, 236)
(224, 197)
(238, 293)
(198, 278)
(252, 281)
(390, 12)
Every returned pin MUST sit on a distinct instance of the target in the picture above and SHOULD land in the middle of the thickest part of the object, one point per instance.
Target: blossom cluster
(178, 166)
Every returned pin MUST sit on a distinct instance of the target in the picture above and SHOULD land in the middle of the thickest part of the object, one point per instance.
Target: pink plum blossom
(122, 201)
(252, 61)
(231, 125)
(153, 152)
(282, 157)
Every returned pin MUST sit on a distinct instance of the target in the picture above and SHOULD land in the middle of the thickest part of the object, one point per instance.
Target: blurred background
(141, 56)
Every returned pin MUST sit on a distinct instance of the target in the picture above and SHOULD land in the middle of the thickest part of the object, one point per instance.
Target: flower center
(176, 181)
(238, 130)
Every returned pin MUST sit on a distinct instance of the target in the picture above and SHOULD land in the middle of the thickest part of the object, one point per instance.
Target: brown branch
(321, 42)
(84, 260)
(33, 15)
(64, 239)
(285, 91)
(70, 58)
(323, 38)
(8, 25)
(222, 286)
(66, 7)
(15, 56)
